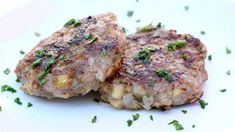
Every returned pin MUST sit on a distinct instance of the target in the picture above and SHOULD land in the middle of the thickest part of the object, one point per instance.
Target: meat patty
(75, 59)
(160, 69)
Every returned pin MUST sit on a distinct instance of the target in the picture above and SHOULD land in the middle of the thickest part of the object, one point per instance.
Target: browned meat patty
(160, 69)
(75, 59)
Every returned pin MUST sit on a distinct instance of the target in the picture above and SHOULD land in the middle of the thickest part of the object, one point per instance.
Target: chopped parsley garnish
(50, 62)
(37, 34)
(203, 104)
(8, 88)
(96, 100)
(22, 52)
(151, 117)
(42, 76)
(147, 28)
(145, 54)
(184, 111)
(165, 74)
(176, 44)
(92, 40)
(186, 8)
(209, 57)
(228, 51)
(136, 117)
(6, 71)
(129, 123)
(177, 125)
(159, 25)
(203, 32)
(48, 66)
(138, 20)
(87, 36)
(130, 13)
(29, 104)
(70, 22)
(17, 80)
(77, 23)
(41, 53)
(36, 63)
(103, 52)
(94, 119)
(228, 73)
(17, 100)
(223, 90)
(0, 108)
(193, 126)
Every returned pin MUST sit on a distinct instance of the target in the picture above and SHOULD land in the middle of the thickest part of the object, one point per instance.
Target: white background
(20, 19)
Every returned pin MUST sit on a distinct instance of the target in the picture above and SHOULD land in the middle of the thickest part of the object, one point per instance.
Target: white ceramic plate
(216, 18)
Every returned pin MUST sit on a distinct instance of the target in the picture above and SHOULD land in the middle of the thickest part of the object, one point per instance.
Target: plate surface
(216, 18)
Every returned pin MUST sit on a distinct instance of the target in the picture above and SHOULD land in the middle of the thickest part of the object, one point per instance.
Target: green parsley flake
(129, 123)
(94, 119)
(209, 57)
(41, 53)
(228, 73)
(159, 25)
(29, 104)
(186, 8)
(17, 80)
(176, 45)
(203, 104)
(70, 22)
(138, 20)
(223, 90)
(7, 88)
(165, 74)
(0, 108)
(22, 52)
(87, 36)
(50, 62)
(77, 23)
(147, 28)
(136, 117)
(151, 117)
(193, 126)
(184, 111)
(145, 54)
(48, 65)
(17, 100)
(228, 51)
(130, 13)
(6, 71)
(42, 76)
(36, 63)
(177, 125)
(203, 32)
(37, 34)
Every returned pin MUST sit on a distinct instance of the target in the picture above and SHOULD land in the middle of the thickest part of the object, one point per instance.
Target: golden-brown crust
(137, 80)
(83, 66)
